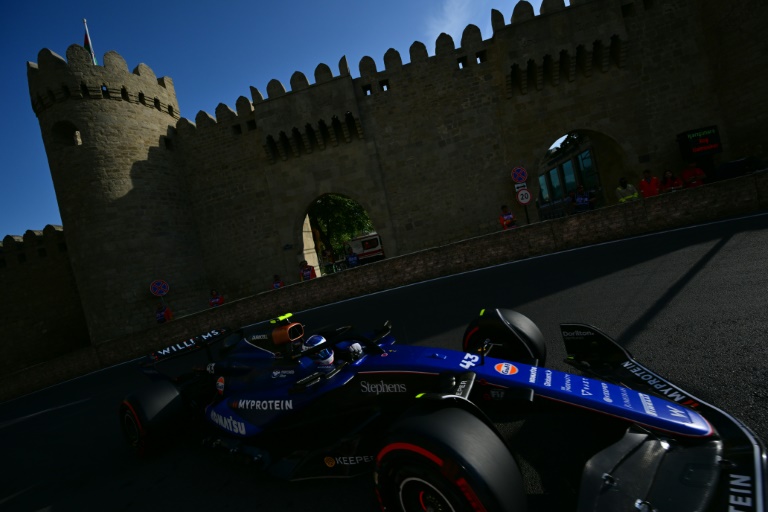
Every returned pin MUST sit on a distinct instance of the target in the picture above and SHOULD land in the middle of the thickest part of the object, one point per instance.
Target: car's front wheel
(447, 460)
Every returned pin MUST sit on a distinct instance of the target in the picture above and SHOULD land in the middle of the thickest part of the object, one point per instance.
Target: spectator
(216, 299)
(329, 261)
(583, 201)
(507, 218)
(277, 282)
(670, 182)
(626, 192)
(649, 185)
(306, 271)
(693, 176)
(163, 314)
(352, 259)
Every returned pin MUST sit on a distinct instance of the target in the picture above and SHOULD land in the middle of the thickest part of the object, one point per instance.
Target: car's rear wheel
(134, 429)
(148, 417)
(447, 460)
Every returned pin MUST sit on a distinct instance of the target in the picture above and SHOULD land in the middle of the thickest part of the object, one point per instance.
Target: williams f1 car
(488, 428)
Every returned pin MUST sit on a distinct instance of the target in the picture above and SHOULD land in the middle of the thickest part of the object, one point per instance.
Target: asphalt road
(691, 304)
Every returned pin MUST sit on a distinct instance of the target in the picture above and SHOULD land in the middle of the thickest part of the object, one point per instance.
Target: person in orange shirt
(693, 176)
(670, 182)
(649, 185)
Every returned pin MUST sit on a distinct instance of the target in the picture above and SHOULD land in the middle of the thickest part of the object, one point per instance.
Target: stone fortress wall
(425, 147)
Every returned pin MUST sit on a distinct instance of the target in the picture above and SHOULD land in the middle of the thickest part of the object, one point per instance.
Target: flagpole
(90, 42)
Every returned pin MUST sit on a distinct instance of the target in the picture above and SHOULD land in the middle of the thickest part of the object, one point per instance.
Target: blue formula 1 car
(489, 428)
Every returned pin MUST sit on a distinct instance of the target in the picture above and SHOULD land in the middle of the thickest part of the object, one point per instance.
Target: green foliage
(337, 219)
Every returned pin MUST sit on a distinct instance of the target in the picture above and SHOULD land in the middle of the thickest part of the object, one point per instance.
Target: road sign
(518, 186)
(524, 196)
(159, 287)
(519, 174)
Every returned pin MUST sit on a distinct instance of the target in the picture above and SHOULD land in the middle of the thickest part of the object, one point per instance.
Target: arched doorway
(580, 158)
(335, 223)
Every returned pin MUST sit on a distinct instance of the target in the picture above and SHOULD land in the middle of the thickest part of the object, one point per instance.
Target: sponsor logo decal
(661, 386)
(606, 393)
(647, 404)
(185, 345)
(740, 497)
(382, 387)
(460, 389)
(548, 378)
(532, 375)
(506, 368)
(220, 385)
(347, 461)
(228, 423)
(567, 334)
(496, 394)
(279, 374)
(263, 405)
(676, 413)
(567, 383)
(469, 361)
(625, 398)
(259, 337)
(585, 391)
(211, 368)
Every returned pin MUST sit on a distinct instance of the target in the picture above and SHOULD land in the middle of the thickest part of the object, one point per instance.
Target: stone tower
(108, 136)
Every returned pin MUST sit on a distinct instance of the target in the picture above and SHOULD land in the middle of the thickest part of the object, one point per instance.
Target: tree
(337, 219)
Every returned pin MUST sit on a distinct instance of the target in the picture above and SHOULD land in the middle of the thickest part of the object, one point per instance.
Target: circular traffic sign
(519, 175)
(524, 196)
(159, 287)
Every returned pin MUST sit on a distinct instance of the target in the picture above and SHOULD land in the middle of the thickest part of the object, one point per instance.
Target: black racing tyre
(447, 460)
(149, 416)
(513, 337)
(134, 428)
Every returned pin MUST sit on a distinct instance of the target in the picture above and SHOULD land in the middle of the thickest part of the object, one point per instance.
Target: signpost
(519, 176)
(158, 288)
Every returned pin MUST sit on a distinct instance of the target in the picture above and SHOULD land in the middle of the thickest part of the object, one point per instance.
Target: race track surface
(691, 304)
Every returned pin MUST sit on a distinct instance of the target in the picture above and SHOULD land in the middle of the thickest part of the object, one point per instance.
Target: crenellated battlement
(54, 80)
(559, 45)
(33, 246)
(424, 140)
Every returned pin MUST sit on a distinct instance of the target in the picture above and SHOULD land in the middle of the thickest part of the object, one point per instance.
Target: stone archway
(583, 157)
(330, 222)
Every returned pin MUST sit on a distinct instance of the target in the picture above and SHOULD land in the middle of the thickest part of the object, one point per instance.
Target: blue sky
(213, 51)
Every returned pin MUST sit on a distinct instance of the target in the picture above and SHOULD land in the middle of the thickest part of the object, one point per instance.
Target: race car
(487, 428)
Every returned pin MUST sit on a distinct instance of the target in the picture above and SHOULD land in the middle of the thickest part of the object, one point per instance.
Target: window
(569, 176)
(545, 197)
(557, 188)
(589, 176)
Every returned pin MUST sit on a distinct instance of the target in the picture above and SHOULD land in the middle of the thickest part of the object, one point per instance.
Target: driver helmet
(325, 356)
